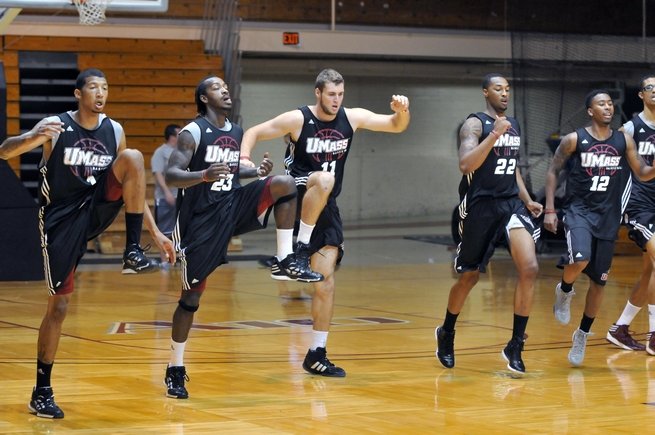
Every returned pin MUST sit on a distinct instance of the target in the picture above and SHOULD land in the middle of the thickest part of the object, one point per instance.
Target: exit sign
(290, 38)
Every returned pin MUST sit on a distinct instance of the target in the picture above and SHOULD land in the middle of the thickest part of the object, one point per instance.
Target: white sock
(319, 339)
(305, 232)
(651, 318)
(177, 354)
(629, 313)
(284, 243)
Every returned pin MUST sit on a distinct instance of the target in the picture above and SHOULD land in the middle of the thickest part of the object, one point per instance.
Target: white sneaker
(650, 343)
(562, 307)
(576, 354)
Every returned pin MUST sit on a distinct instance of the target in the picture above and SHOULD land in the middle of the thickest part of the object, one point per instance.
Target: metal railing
(220, 32)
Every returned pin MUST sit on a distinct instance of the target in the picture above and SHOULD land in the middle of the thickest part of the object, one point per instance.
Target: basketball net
(92, 12)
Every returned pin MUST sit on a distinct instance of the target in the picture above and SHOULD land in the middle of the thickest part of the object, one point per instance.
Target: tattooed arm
(472, 152)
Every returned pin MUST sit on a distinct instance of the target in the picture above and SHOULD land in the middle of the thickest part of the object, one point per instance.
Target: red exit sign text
(290, 38)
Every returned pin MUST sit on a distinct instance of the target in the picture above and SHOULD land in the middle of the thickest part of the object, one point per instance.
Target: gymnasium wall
(415, 173)
(411, 174)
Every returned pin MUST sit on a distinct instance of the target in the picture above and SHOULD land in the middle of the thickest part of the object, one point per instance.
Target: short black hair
(486, 81)
(170, 131)
(590, 96)
(82, 76)
(644, 78)
(201, 89)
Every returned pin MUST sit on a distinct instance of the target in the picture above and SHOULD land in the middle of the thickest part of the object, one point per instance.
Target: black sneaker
(43, 403)
(135, 261)
(512, 354)
(175, 377)
(317, 363)
(445, 347)
(295, 267)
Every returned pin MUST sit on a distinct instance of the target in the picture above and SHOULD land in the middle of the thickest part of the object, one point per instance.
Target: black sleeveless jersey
(321, 146)
(599, 181)
(78, 159)
(212, 145)
(643, 192)
(496, 177)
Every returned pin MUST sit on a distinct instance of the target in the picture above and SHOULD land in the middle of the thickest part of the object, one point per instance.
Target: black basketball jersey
(496, 177)
(212, 145)
(78, 159)
(643, 192)
(321, 146)
(599, 181)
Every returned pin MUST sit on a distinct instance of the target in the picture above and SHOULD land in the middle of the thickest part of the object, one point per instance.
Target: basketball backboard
(114, 5)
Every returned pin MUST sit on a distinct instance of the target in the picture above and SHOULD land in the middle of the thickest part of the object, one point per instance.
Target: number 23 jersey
(213, 145)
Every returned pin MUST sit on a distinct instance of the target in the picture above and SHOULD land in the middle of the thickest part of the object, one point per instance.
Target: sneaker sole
(287, 278)
(310, 280)
(575, 364)
(38, 414)
(617, 343)
(281, 278)
(311, 372)
(173, 396)
(511, 369)
(129, 271)
(650, 351)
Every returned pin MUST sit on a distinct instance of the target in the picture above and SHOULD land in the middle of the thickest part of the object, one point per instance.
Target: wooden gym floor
(251, 333)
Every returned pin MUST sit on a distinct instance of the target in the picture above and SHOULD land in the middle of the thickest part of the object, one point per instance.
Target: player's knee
(325, 288)
(132, 156)
(469, 279)
(323, 181)
(188, 307)
(57, 309)
(529, 269)
(284, 184)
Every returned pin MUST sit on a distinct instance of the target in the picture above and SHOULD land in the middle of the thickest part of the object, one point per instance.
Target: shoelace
(45, 401)
(138, 248)
(179, 377)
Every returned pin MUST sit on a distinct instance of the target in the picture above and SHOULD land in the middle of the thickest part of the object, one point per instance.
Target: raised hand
(399, 103)
(265, 167)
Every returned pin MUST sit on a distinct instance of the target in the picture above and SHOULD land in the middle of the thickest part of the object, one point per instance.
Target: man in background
(165, 196)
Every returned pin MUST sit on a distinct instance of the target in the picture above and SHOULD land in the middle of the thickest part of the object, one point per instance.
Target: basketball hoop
(92, 12)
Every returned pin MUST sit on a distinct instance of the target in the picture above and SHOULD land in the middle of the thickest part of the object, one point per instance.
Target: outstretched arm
(41, 133)
(286, 123)
(565, 149)
(395, 123)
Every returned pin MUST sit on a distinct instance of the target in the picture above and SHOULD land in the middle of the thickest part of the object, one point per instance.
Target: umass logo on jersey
(326, 145)
(87, 157)
(601, 159)
(226, 150)
(508, 144)
(646, 149)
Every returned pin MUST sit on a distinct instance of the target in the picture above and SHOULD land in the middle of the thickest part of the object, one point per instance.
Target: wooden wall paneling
(103, 45)
(153, 61)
